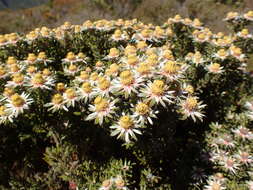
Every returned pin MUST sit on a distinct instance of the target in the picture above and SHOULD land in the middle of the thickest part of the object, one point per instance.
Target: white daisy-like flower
(5, 115)
(106, 184)
(39, 81)
(226, 140)
(157, 92)
(125, 128)
(248, 15)
(101, 109)
(214, 184)
(201, 36)
(42, 58)
(221, 54)
(18, 79)
(232, 16)
(143, 113)
(176, 19)
(214, 68)
(31, 59)
(191, 107)
(187, 89)
(243, 133)
(104, 87)
(230, 164)
(70, 97)
(119, 35)
(15, 68)
(57, 103)
(71, 70)
(218, 155)
(85, 92)
(237, 53)
(126, 83)
(197, 58)
(244, 157)
(83, 77)
(172, 70)
(131, 61)
(16, 104)
(70, 58)
(244, 34)
(143, 35)
(120, 183)
(99, 66)
(113, 54)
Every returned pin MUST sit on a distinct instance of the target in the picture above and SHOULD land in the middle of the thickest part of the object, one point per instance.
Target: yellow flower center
(189, 89)
(126, 77)
(144, 68)
(222, 52)
(3, 111)
(201, 36)
(72, 68)
(250, 14)
(142, 108)
(8, 92)
(126, 122)
(141, 45)
(167, 54)
(99, 64)
(17, 100)
(2, 39)
(130, 50)
(171, 67)
(237, 51)
(18, 78)
(117, 33)
(119, 183)
(114, 52)
(42, 55)
(103, 83)
(191, 103)
(245, 32)
(57, 99)
(101, 104)
(106, 183)
(114, 68)
(2, 71)
(38, 79)
(84, 75)
(196, 22)
(216, 186)
(70, 93)
(15, 68)
(132, 60)
(157, 87)
(11, 61)
(145, 33)
(86, 87)
(215, 67)
(31, 57)
(46, 72)
(187, 21)
(31, 69)
(94, 76)
(81, 55)
(60, 87)
(71, 56)
(177, 17)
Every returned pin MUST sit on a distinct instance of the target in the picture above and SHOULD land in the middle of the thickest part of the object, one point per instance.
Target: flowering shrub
(125, 105)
